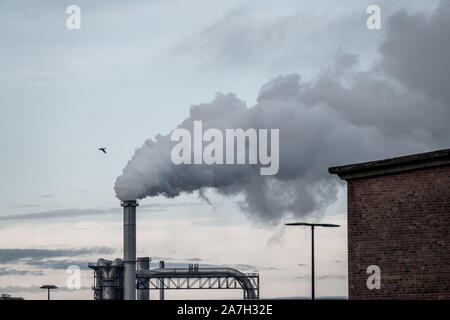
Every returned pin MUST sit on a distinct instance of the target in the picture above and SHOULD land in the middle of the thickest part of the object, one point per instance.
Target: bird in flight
(102, 149)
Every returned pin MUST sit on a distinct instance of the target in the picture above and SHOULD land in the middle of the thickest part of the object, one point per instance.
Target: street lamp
(312, 225)
(49, 287)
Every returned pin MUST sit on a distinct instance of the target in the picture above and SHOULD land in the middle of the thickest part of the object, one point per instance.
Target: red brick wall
(400, 222)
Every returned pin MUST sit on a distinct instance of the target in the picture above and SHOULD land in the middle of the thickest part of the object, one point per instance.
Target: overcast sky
(134, 69)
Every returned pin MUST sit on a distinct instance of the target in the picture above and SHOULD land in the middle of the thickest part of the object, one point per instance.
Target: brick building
(399, 220)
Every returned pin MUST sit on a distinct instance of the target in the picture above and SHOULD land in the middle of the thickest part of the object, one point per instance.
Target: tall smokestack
(129, 249)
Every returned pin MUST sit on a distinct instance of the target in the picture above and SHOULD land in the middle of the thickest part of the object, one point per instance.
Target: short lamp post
(49, 287)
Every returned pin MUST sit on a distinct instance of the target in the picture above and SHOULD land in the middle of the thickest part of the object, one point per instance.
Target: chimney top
(130, 203)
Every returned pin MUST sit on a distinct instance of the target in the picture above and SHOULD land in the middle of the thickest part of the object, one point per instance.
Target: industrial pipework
(109, 279)
(129, 249)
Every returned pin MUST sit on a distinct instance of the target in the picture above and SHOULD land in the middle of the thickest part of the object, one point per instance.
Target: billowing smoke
(401, 105)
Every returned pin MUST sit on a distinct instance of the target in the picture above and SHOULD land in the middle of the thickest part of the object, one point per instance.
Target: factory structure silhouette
(398, 223)
(121, 280)
(398, 220)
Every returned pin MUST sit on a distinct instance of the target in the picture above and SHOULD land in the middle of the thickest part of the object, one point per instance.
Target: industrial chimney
(129, 249)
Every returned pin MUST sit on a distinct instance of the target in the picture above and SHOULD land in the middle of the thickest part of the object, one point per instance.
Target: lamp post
(312, 225)
(49, 287)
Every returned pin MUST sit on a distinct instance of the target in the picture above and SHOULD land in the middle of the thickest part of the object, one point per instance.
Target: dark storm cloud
(344, 115)
(59, 264)
(34, 289)
(14, 272)
(417, 51)
(28, 205)
(56, 214)
(44, 259)
(406, 94)
(31, 256)
(243, 37)
(70, 213)
(249, 37)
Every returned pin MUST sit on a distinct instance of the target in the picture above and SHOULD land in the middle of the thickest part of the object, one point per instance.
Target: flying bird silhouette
(102, 149)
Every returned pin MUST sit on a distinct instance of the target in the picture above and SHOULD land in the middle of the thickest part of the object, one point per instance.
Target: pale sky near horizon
(129, 73)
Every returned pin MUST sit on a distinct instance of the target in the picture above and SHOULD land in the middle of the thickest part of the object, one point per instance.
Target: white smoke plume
(344, 116)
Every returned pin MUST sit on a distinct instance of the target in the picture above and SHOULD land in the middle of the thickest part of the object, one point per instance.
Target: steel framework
(201, 278)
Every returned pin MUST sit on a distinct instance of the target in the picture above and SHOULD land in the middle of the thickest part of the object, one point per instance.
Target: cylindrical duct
(143, 293)
(108, 283)
(161, 284)
(97, 284)
(118, 266)
(129, 249)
